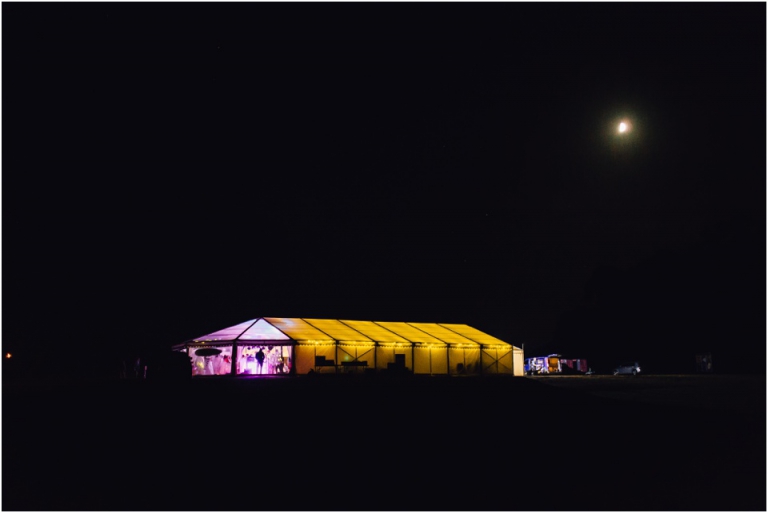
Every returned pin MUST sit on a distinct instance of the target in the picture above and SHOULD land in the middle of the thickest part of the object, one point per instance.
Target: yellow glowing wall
(430, 360)
(497, 360)
(464, 360)
(386, 355)
(518, 362)
(306, 354)
(427, 359)
(356, 352)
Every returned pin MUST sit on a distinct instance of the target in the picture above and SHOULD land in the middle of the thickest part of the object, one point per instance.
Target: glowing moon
(622, 127)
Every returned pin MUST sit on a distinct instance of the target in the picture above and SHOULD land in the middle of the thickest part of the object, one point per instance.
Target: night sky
(171, 169)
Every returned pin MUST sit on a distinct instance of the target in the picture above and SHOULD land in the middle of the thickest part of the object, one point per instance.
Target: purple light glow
(230, 333)
(262, 330)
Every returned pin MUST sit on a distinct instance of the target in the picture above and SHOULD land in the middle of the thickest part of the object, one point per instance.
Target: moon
(623, 127)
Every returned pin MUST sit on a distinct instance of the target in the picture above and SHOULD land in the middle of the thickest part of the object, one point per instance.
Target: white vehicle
(628, 368)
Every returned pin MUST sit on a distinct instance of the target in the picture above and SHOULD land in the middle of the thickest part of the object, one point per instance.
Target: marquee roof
(345, 332)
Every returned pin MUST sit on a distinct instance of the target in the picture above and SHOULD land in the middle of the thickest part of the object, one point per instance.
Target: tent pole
(233, 365)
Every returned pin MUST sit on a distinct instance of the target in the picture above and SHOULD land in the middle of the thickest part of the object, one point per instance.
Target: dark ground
(313, 443)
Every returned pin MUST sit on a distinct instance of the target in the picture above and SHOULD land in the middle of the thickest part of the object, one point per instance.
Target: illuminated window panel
(338, 330)
(449, 337)
(278, 359)
(262, 330)
(298, 329)
(230, 333)
(209, 363)
(476, 335)
(410, 333)
(375, 332)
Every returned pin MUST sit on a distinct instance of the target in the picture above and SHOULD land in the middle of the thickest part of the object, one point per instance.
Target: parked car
(627, 368)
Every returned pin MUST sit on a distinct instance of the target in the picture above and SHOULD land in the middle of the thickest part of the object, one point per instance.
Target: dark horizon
(173, 169)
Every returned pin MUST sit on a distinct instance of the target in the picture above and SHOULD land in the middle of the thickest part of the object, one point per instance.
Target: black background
(171, 169)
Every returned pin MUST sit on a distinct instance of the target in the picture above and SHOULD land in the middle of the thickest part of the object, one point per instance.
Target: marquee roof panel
(476, 335)
(298, 329)
(449, 337)
(350, 332)
(226, 334)
(263, 330)
(375, 332)
(338, 331)
(410, 332)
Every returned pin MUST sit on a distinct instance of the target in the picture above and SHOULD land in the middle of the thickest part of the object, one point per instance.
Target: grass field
(729, 392)
(411, 443)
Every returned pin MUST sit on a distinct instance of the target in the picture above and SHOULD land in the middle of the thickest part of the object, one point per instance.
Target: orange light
(7, 355)
(625, 126)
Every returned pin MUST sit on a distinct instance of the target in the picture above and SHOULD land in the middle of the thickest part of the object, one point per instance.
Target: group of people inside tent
(251, 360)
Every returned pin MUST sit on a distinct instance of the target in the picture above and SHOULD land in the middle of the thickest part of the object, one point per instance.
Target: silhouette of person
(225, 365)
(260, 359)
